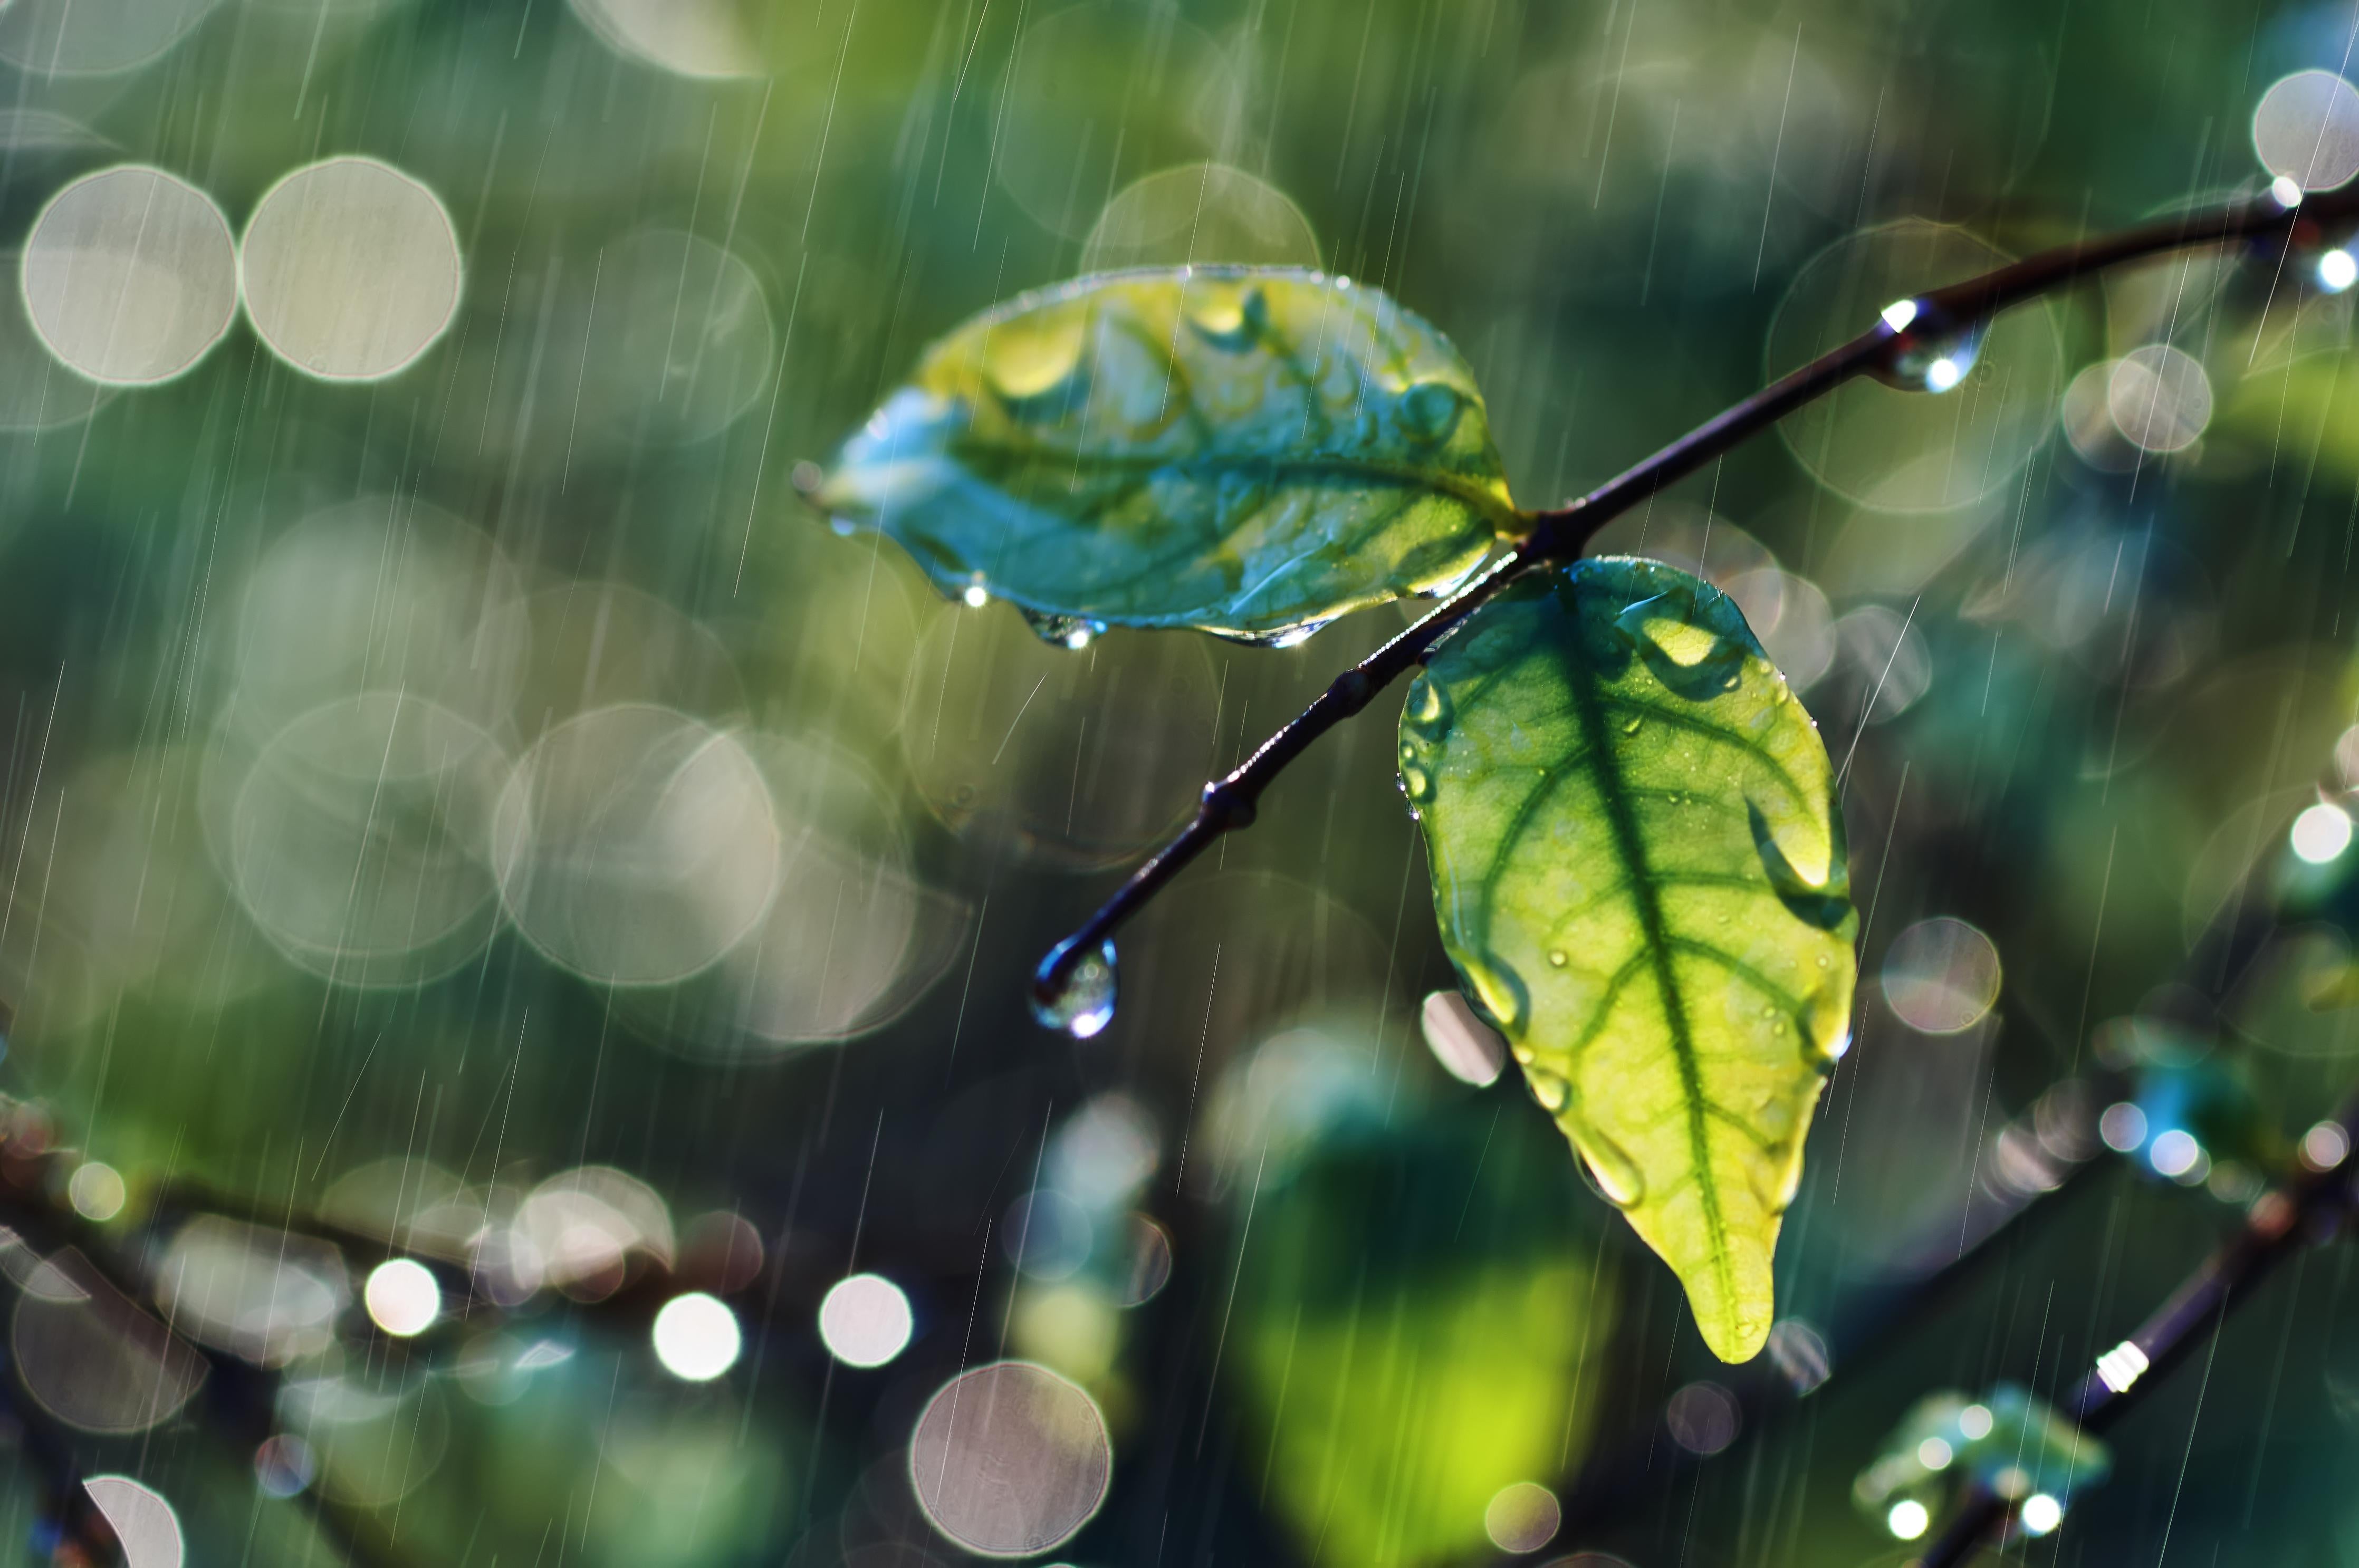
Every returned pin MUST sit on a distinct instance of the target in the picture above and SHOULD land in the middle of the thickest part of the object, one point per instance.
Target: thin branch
(2022, 1168)
(1560, 534)
(2278, 1224)
(34, 1208)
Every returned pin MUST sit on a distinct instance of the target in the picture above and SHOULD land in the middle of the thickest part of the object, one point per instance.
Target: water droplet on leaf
(1035, 364)
(1549, 1089)
(1499, 994)
(1429, 707)
(1084, 1003)
(1825, 1023)
(1073, 631)
(1280, 637)
(1664, 628)
(1429, 411)
(1225, 316)
(1617, 1174)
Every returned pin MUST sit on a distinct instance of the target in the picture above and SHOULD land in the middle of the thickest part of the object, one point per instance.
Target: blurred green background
(455, 791)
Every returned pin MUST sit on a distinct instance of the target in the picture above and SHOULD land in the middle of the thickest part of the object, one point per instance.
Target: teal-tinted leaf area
(1251, 451)
(1639, 867)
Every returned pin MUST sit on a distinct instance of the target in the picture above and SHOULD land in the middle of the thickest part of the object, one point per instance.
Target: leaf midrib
(1613, 796)
(1439, 481)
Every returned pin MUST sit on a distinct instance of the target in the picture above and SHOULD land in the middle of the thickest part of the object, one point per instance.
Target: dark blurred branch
(2036, 1158)
(2281, 1221)
(239, 1402)
(2021, 1169)
(1560, 535)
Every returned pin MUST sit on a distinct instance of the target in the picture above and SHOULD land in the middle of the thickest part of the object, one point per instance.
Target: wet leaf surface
(1253, 452)
(1639, 873)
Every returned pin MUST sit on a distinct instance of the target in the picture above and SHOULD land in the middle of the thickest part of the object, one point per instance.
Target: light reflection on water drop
(1072, 631)
(1083, 1004)
(1278, 637)
(1925, 357)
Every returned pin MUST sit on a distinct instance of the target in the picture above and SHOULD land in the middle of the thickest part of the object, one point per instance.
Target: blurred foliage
(1395, 1353)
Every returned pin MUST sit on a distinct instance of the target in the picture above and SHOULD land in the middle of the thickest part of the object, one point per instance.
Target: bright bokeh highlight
(2306, 131)
(402, 1298)
(144, 1522)
(1522, 1517)
(864, 1320)
(130, 275)
(350, 269)
(2322, 833)
(96, 1191)
(697, 1337)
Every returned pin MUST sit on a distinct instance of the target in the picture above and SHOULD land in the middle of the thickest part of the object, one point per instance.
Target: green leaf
(1252, 451)
(1638, 867)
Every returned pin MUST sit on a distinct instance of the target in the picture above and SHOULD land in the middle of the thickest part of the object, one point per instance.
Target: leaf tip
(1736, 1328)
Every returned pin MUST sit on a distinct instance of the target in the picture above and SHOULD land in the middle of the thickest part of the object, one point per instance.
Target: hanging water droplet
(1278, 637)
(1074, 631)
(1083, 1004)
(1497, 992)
(1549, 1089)
(976, 595)
(1825, 1023)
(1617, 1176)
(1928, 353)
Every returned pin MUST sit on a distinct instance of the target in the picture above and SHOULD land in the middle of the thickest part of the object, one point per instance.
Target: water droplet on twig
(1082, 1003)
(1929, 352)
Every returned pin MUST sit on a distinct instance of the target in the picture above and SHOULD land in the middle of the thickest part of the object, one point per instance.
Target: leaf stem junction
(1905, 333)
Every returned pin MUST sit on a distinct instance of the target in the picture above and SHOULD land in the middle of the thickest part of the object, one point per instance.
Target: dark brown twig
(2279, 1223)
(1560, 534)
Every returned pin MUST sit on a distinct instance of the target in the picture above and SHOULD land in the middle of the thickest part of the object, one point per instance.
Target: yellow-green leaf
(1638, 867)
(1253, 452)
